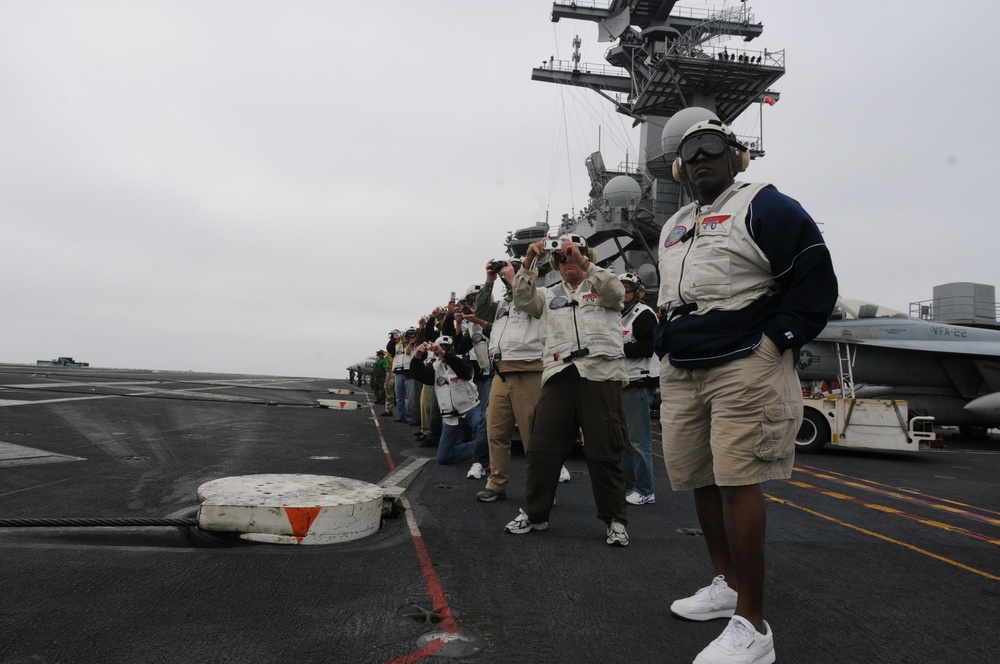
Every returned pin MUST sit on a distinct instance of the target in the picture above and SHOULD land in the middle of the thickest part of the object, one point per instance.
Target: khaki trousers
(512, 401)
(390, 392)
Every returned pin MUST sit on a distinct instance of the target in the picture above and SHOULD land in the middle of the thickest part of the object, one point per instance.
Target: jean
(412, 401)
(482, 452)
(435, 434)
(402, 403)
(454, 446)
(639, 451)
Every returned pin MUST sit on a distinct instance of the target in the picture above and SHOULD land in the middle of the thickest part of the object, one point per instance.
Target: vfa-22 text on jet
(874, 358)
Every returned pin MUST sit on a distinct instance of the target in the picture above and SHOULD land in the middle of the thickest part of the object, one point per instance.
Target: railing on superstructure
(958, 310)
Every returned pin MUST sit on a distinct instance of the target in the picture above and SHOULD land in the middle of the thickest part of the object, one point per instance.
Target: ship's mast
(663, 59)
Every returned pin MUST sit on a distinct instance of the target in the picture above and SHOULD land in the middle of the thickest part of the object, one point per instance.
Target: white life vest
(516, 335)
(638, 367)
(455, 396)
(708, 258)
(480, 346)
(401, 360)
(576, 321)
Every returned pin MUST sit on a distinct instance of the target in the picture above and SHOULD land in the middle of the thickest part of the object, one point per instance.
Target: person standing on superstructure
(745, 280)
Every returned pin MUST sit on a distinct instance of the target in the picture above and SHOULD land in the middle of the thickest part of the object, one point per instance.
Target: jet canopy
(860, 309)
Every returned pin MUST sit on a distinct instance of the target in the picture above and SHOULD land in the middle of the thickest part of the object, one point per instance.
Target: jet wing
(949, 346)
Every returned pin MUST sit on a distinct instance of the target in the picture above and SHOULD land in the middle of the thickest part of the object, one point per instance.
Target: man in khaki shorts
(745, 279)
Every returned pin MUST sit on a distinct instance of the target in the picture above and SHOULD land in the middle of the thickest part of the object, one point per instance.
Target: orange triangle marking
(301, 519)
(343, 404)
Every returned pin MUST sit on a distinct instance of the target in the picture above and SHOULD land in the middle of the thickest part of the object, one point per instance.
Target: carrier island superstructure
(665, 63)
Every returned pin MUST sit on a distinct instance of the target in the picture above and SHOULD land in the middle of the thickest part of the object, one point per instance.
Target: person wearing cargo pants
(512, 402)
(582, 379)
(745, 280)
(515, 350)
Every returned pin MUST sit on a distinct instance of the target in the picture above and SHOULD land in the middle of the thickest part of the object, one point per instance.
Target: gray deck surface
(873, 557)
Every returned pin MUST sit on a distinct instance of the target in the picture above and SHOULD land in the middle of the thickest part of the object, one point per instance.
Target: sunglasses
(710, 143)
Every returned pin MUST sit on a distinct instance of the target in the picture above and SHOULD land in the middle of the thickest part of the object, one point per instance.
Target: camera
(552, 244)
(466, 309)
(496, 266)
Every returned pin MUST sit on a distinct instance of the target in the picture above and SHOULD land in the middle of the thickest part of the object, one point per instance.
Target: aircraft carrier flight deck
(872, 556)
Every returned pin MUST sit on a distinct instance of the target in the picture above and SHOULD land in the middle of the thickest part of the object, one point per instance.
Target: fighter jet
(361, 368)
(950, 372)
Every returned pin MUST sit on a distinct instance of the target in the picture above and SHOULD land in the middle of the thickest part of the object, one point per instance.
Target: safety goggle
(711, 143)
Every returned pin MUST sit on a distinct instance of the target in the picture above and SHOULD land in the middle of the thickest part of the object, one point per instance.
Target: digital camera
(496, 266)
(552, 244)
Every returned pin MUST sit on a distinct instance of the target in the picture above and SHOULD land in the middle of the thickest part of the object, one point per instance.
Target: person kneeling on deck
(457, 397)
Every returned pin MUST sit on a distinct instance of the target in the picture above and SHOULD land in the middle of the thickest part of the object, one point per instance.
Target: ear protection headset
(580, 242)
(630, 278)
(739, 155)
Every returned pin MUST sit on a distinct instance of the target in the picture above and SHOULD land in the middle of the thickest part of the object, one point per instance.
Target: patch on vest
(711, 223)
(441, 381)
(558, 302)
(675, 235)
(589, 297)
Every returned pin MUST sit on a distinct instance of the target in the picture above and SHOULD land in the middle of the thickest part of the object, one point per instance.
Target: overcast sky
(269, 187)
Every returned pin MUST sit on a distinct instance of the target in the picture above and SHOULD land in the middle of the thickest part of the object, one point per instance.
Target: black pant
(567, 404)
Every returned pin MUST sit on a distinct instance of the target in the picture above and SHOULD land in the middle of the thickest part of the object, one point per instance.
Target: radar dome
(622, 190)
(649, 275)
(679, 123)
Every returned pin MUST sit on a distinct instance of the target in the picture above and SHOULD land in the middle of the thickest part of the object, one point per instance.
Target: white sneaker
(476, 472)
(739, 643)
(522, 524)
(715, 601)
(636, 498)
(564, 475)
(617, 536)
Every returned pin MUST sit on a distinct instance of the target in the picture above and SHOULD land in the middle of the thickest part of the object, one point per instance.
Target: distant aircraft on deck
(361, 368)
(951, 372)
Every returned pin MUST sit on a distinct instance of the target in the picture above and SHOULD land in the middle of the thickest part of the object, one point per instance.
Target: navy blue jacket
(805, 293)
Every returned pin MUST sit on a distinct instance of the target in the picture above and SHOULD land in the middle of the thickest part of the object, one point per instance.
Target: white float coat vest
(638, 367)
(400, 360)
(480, 346)
(718, 266)
(516, 335)
(579, 321)
(455, 396)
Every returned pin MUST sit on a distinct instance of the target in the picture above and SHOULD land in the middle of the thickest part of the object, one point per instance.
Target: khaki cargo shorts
(734, 424)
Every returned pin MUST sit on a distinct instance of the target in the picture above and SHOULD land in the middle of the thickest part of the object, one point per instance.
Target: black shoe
(420, 436)
(427, 442)
(386, 414)
(489, 496)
